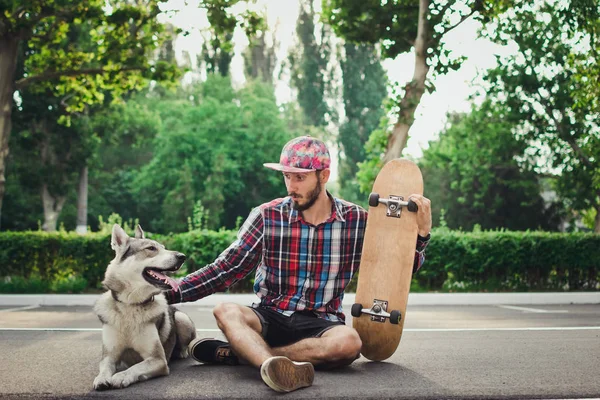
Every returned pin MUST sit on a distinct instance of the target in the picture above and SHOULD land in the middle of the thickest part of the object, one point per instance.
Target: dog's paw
(183, 353)
(102, 383)
(121, 380)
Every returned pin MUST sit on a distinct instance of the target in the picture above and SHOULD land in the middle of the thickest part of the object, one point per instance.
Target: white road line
(537, 328)
(19, 308)
(543, 328)
(533, 310)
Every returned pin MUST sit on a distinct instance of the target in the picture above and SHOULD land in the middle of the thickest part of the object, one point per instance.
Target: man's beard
(312, 197)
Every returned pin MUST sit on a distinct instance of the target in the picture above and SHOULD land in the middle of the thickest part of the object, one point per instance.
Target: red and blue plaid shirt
(299, 266)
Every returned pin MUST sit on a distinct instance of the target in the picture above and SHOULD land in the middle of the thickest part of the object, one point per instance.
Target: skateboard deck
(387, 259)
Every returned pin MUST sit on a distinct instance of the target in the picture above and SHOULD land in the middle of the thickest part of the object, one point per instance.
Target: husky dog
(140, 331)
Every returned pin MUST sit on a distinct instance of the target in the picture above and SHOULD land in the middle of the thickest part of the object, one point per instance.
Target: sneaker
(284, 375)
(213, 351)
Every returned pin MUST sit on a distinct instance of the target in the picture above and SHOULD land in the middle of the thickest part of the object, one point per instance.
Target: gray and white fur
(140, 331)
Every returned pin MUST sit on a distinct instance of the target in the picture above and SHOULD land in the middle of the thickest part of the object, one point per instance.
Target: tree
(128, 130)
(211, 146)
(309, 67)
(40, 36)
(55, 151)
(586, 65)
(217, 48)
(541, 88)
(401, 26)
(365, 88)
(477, 174)
(260, 58)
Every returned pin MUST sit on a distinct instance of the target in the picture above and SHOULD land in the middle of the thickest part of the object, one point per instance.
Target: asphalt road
(463, 352)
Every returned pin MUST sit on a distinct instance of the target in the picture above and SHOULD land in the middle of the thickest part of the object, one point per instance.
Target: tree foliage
(402, 26)
(541, 88)
(309, 67)
(475, 173)
(364, 89)
(586, 65)
(75, 53)
(217, 48)
(211, 149)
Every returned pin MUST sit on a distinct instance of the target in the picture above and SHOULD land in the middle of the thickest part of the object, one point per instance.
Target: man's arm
(232, 265)
(424, 228)
(422, 243)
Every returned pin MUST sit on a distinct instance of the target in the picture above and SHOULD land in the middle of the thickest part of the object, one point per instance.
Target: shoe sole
(284, 375)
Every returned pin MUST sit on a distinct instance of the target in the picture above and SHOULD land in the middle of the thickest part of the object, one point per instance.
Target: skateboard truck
(394, 204)
(378, 312)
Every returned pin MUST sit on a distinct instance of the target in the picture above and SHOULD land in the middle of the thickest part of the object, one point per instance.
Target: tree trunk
(52, 205)
(413, 91)
(82, 200)
(8, 62)
(52, 208)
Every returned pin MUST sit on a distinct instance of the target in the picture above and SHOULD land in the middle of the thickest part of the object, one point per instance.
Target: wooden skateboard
(387, 259)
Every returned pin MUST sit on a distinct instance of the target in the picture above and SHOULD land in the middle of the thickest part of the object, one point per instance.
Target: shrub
(40, 262)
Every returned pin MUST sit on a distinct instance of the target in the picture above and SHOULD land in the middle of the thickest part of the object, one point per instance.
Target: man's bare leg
(338, 346)
(242, 328)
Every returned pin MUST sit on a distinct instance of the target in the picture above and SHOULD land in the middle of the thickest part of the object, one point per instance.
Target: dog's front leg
(108, 366)
(149, 368)
(111, 352)
(154, 362)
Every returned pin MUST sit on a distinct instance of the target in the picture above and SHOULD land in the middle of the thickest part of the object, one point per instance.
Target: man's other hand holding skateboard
(423, 214)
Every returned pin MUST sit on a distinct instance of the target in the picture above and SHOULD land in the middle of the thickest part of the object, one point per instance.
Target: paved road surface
(539, 351)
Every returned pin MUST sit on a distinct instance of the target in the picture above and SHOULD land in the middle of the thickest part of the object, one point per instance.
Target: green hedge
(42, 262)
(456, 261)
(511, 261)
(202, 247)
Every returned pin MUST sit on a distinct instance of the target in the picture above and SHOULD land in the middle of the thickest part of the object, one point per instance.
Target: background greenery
(499, 261)
(106, 122)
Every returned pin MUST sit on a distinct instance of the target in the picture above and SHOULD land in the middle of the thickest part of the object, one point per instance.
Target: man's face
(304, 188)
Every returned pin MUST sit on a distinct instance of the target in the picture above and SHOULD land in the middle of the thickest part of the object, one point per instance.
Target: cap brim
(285, 168)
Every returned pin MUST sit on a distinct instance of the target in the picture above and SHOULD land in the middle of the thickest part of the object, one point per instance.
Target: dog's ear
(139, 233)
(119, 237)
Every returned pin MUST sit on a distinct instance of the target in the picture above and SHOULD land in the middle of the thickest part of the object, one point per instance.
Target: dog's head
(139, 268)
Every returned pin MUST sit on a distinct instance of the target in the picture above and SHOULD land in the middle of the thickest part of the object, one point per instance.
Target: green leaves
(309, 69)
(365, 88)
(211, 147)
(81, 50)
(473, 172)
(550, 86)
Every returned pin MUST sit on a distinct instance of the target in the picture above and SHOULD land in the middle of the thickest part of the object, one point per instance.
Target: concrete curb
(415, 299)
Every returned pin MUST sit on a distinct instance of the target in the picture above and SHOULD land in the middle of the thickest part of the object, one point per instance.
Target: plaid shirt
(298, 266)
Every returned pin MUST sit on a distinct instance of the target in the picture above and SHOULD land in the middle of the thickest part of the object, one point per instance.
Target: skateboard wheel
(395, 317)
(374, 199)
(412, 206)
(356, 309)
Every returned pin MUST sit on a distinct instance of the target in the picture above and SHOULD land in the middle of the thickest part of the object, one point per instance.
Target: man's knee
(345, 351)
(347, 345)
(227, 312)
(235, 315)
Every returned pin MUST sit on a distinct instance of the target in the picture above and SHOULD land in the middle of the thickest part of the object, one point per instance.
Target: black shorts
(280, 330)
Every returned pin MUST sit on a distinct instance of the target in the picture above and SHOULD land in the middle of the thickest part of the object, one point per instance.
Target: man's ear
(325, 175)
(139, 233)
(119, 237)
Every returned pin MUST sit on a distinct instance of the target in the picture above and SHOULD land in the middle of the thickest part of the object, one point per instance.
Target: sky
(452, 90)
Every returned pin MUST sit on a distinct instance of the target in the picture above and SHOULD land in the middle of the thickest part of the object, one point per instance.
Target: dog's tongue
(168, 280)
(172, 282)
